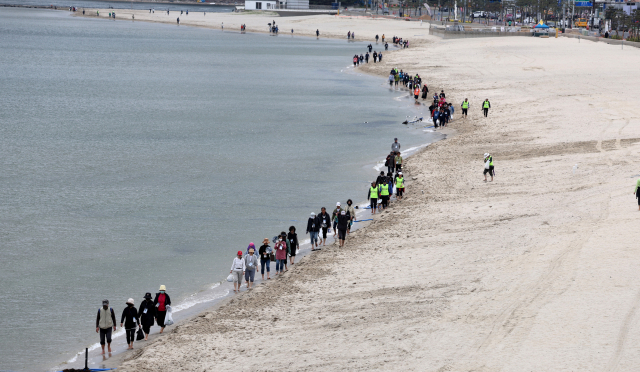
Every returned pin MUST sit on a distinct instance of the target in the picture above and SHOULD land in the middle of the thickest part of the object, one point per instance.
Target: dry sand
(537, 271)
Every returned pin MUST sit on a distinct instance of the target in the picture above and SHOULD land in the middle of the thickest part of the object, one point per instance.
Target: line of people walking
(148, 314)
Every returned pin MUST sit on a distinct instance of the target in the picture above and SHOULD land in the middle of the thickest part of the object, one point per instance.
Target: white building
(260, 5)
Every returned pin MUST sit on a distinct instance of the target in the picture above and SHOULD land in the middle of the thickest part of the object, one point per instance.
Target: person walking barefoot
(488, 166)
(146, 313)
(372, 196)
(161, 302)
(265, 258)
(130, 321)
(238, 269)
(104, 323)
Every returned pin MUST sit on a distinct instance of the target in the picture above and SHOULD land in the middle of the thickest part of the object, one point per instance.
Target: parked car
(479, 14)
(551, 24)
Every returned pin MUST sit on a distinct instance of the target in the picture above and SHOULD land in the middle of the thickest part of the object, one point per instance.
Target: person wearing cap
(292, 239)
(161, 302)
(325, 224)
(131, 321)
(343, 223)
(238, 268)
(399, 186)
(251, 264)
(395, 146)
(281, 253)
(105, 322)
(251, 246)
(146, 313)
(488, 166)
(312, 229)
(265, 257)
(334, 216)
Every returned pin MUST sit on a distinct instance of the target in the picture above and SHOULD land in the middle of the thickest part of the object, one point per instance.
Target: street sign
(583, 3)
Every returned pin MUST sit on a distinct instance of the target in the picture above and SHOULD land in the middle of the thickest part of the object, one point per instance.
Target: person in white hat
(399, 185)
(161, 302)
(488, 166)
(334, 217)
(313, 227)
(131, 321)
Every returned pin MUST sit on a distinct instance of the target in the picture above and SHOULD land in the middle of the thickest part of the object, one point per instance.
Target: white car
(479, 14)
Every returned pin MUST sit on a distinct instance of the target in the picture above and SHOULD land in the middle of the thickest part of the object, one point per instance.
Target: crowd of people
(379, 194)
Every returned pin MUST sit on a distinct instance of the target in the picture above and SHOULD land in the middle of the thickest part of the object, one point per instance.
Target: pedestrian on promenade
(395, 146)
(312, 230)
(105, 324)
(161, 302)
(325, 224)
(343, 223)
(238, 269)
(377, 39)
(399, 186)
(352, 213)
(486, 105)
(265, 257)
(281, 254)
(178, 20)
(465, 107)
(372, 196)
(250, 264)
(488, 166)
(146, 313)
(130, 321)
(292, 237)
(317, 33)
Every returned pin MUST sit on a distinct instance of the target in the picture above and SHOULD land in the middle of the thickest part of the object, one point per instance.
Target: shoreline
(541, 262)
(197, 310)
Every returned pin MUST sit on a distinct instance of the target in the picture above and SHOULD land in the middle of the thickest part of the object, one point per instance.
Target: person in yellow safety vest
(416, 92)
(372, 196)
(384, 194)
(486, 106)
(488, 166)
(399, 186)
(465, 107)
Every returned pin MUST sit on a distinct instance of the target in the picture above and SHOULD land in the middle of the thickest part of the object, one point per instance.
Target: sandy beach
(536, 271)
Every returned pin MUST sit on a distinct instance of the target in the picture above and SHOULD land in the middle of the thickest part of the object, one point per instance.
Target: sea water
(137, 154)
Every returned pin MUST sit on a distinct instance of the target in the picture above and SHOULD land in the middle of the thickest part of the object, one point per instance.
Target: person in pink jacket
(281, 254)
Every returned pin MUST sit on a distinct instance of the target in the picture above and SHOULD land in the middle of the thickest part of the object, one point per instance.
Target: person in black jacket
(293, 243)
(130, 320)
(146, 314)
(312, 229)
(161, 302)
(343, 223)
(324, 219)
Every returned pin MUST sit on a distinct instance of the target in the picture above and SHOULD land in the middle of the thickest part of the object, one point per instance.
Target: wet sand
(534, 271)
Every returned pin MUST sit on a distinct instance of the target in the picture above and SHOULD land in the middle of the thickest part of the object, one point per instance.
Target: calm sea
(137, 154)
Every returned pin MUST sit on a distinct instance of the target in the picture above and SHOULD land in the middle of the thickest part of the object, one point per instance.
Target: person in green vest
(637, 192)
(398, 160)
(372, 196)
(486, 105)
(384, 194)
(399, 186)
(488, 166)
(465, 107)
